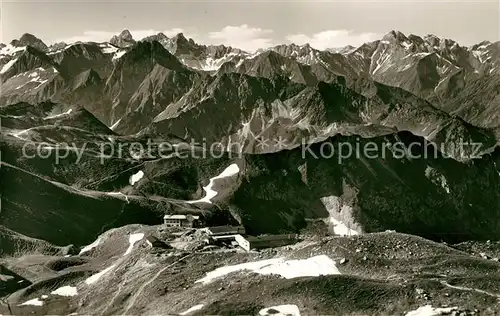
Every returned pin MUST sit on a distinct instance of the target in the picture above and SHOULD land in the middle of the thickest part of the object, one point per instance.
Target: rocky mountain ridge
(125, 87)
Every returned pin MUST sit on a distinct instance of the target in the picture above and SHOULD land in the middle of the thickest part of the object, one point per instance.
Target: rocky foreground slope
(374, 274)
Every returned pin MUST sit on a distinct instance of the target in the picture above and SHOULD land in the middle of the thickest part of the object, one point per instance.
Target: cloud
(104, 36)
(243, 36)
(333, 38)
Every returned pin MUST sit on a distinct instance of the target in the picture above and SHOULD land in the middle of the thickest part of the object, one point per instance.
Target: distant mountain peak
(124, 39)
(448, 43)
(180, 39)
(394, 36)
(180, 44)
(160, 36)
(147, 50)
(343, 50)
(126, 35)
(481, 45)
(180, 35)
(416, 39)
(58, 45)
(432, 39)
(304, 53)
(28, 39)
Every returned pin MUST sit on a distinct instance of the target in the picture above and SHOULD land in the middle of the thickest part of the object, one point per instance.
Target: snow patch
(209, 63)
(10, 49)
(65, 291)
(192, 309)
(41, 82)
(136, 177)
(119, 193)
(341, 229)
(428, 310)
(280, 109)
(16, 135)
(115, 124)
(282, 310)
(58, 115)
(33, 302)
(337, 209)
(240, 62)
(212, 64)
(91, 246)
(380, 61)
(8, 65)
(289, 269)
(132, 239)
(94, 278)
(421, 55)
(406, 45)
(478, 55)
(209, 192)
(119, 54)
(109, 49)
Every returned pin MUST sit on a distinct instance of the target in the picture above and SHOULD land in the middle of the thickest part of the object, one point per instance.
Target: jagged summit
(481, 45)
(28, 39)
(124, 39)
(342, 50)
(303, 53)
(416, 39)
(160, 37)
(143, 50)
(305, 46)
(432, 39)
(394, 36)
(125, 34)
(180, 37)
(57, 46)
(179, 44)
(181, 40)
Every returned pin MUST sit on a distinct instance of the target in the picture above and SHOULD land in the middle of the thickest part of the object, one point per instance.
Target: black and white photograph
(238, 157)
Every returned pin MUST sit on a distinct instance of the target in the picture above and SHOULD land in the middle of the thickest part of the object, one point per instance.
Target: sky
(253, 24)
